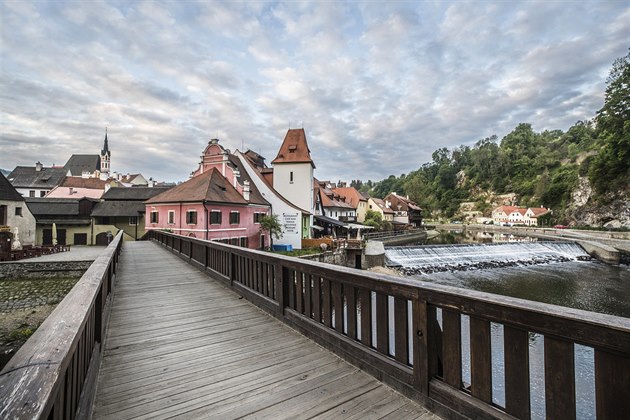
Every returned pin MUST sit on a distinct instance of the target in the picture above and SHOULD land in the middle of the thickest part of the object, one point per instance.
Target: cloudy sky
(378, 86)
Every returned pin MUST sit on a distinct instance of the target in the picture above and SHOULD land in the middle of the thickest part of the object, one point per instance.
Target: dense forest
(541, 168)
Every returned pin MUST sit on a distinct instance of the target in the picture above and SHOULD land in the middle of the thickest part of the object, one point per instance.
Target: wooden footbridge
(178, 327)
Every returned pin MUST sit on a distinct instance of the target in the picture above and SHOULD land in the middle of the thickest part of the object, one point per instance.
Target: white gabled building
(288, 186)
(293, 171)
(518, 215)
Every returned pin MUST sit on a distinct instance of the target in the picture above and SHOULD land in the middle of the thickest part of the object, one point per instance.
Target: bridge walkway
(182, 345)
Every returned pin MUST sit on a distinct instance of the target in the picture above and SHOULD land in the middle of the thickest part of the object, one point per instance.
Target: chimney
(38, 166)
(246, 190)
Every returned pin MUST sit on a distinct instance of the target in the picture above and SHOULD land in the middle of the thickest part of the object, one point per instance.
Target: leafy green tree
(610, 170)
(271, 225)
(375, 219)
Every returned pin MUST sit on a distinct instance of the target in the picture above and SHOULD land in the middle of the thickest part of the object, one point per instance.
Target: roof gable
(30, 177)
(294, 148)
(353, 196)
(53, 206)
(208, 186)
(133, 193)
(77, 164)
(505, 209)
(90, 183)
(7, 191)
(538, 211)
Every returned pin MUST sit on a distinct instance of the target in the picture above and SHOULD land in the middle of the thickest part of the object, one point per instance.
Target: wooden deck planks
(182, 345)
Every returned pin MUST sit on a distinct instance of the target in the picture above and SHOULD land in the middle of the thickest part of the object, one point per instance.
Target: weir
(434, 258)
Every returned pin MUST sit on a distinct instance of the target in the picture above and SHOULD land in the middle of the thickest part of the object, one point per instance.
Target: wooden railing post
(421, 371)
(282, 286)
(612, 381)
(231, 267)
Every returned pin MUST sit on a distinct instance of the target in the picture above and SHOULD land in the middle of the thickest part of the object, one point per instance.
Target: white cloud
(377, 86)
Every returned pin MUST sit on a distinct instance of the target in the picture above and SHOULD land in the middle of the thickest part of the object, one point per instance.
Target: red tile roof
(294, 148)
(506, 209)
(91, 183)
(353, 197)
(539, 211)
(209, 186)
(382, 205)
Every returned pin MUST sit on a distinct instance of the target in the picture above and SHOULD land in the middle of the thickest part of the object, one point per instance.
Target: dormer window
(292, 149)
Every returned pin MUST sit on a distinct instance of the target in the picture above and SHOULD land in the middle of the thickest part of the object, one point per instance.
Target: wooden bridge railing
(53, 374)
(409, 333)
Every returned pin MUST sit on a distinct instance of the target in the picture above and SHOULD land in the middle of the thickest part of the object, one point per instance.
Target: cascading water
(434, 258)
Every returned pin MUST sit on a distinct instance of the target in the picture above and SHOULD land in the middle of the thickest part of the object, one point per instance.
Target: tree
(373, 218)
(610, 169)
(271, 225)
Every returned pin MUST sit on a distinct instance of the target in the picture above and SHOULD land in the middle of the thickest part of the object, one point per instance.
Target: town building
(17, 223)
(518, 215)
(378, 205)
(36, 181)
(132, 180)
(295, 220)
(122, 209)
(333, 204)
(219, 202)
(533, 214)
(406, 212)
(293, 172)
(68, 220)
(356, 199)
(79, 187)
(333, 215)
(39, 181)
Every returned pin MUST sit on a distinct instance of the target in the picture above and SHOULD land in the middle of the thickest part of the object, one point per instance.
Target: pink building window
(215, 217)
(191, 217)
(235, 218)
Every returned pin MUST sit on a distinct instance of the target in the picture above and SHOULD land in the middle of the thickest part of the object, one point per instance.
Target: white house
(295, 221)
(293, 171)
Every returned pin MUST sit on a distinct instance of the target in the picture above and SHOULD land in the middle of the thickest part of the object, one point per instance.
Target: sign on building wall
(290, 223)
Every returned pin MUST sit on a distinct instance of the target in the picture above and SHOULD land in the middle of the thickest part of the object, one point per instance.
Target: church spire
(105, 158)
(105, 150)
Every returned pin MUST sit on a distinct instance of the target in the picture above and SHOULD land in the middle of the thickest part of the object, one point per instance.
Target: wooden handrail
(408, 332)
(52, 371)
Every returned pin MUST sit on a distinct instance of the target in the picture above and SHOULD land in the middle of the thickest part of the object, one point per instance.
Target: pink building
(218, 203)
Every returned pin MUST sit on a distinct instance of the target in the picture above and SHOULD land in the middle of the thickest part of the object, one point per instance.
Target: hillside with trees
(583, 174)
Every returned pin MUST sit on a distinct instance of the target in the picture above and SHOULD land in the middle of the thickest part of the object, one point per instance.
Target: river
(567, 281)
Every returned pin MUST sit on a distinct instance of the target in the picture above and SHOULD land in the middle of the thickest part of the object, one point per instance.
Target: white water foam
(427, 259)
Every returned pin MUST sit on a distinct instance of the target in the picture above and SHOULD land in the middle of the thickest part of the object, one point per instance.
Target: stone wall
(337, 257)
(50, 269)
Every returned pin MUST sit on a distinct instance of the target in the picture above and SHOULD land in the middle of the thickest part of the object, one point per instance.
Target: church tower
(105, 157)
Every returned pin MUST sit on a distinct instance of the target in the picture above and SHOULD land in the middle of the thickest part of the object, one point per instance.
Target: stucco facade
(295, 221)
(293, 171)
(217, 203)
(233, 224)
(16, 214)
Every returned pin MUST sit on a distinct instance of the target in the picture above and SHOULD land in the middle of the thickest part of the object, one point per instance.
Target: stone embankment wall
(329, 257)
(403, 239)
(50, 269)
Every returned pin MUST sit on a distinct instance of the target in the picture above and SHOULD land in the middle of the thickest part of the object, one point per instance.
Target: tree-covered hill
(542, 168)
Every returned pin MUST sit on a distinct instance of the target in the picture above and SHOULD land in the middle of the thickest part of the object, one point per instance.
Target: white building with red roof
(518, 215)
